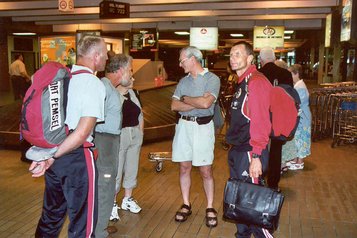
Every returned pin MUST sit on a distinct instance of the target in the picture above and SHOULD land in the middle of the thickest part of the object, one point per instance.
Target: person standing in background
(19, 78)
(131, 139)
(193, 145)
(107, 141)
(276, 76)
(296, 150)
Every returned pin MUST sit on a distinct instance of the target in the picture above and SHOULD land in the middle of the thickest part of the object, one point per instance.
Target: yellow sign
(66, 5)
(328, 30)
(272, 36)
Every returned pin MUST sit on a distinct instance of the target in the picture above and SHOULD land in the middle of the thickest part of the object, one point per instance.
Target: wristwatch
(256, 156)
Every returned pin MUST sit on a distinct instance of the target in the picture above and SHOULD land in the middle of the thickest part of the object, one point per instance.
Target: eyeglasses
(183, 60)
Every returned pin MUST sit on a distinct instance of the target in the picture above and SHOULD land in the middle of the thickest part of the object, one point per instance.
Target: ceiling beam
(175, 4)
(217, 18)
(133, 13)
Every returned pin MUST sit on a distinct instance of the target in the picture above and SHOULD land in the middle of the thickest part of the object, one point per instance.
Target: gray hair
(118, 61)
(87, 44)
(192, 51)
(267, 54)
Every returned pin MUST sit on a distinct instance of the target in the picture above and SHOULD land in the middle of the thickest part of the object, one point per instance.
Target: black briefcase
(249, 203)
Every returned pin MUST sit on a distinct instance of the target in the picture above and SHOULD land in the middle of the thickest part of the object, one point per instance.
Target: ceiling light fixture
(237, 35)
(287, 37)
(288, 32)
(182, 33)
(24, 34)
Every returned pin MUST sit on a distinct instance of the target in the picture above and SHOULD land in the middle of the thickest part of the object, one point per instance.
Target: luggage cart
(323, 104)
(345, 120)
(317, 107)
(159, 158)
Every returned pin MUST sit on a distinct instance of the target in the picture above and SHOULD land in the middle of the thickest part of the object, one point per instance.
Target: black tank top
(131, 112)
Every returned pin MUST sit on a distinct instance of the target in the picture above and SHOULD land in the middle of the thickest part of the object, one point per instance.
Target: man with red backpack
(276, 76)
(70, 184)
(250, 126)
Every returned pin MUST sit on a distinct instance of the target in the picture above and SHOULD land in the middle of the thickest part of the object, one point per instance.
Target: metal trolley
(345, 119)
(328, 107)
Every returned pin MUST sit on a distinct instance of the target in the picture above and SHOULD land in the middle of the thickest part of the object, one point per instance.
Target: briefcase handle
(247, 179)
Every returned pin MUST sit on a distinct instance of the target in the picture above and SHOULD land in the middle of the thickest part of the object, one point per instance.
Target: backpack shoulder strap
(82, 71)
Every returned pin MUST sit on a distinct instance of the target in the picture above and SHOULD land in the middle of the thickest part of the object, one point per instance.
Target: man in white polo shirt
(70, 175)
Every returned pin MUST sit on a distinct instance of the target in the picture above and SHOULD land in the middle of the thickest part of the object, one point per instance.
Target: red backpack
(44, 106)
(284, 111)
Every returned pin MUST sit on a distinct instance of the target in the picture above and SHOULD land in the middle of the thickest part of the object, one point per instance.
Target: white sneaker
(114, 216)
(290, 163)
(296, 166)
(130, 204)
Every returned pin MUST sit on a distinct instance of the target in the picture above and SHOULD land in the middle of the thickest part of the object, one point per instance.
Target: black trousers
(274, 167)
(238, 162)
(19, 86)
(70, 187)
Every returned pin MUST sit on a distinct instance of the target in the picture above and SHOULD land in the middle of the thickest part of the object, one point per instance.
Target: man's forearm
(77, 137)
(201, 102)
(179, 106)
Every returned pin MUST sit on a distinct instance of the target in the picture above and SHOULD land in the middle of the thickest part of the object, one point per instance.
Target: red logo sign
(63, 4)
(203, 31)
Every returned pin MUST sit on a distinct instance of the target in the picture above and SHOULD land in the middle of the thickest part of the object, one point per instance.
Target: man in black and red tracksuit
(250, 126)
(276, 75)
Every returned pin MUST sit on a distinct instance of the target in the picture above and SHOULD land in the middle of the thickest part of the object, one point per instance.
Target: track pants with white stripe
(239, 162)
(70, 187)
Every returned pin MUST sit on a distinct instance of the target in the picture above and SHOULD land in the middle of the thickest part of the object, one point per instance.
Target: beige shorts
(193, 142)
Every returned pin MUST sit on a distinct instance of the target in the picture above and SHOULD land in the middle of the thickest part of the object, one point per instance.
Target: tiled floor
(6, 98)
(321, 200)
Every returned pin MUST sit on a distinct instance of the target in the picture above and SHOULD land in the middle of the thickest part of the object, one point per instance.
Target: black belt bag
(199, 120)
(248, 203)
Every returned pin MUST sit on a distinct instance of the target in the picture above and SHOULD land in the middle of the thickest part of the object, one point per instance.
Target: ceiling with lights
(231, 17)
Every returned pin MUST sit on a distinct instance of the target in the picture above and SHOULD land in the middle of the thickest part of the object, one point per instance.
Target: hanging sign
(66, 5)
(272, 36)
(111, 10)
(346, 20)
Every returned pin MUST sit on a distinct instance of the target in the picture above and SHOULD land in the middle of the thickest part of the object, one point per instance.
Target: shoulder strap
(82, 71)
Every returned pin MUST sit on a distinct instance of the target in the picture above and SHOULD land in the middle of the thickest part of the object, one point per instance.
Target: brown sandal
(209, 219)
(183, 214)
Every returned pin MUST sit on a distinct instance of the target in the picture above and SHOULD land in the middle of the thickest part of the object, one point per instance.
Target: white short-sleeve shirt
(86, 95)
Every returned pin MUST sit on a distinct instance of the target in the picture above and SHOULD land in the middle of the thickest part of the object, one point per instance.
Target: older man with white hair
(276, 76)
